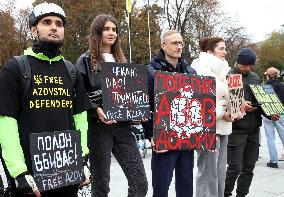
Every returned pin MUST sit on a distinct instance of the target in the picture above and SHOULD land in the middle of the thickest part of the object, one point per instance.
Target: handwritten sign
(184, 115)
(267, 99)
(56, 159)
(236, 92)
(124, 91)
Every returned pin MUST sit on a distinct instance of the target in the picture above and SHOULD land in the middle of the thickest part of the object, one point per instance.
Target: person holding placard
(43, 98)
(164, 162)
(210, 179)
(243, 143)
(273, 75)
(106, 137)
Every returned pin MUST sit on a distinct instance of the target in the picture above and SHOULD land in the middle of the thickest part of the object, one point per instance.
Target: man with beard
(23, 112)
(243, 143)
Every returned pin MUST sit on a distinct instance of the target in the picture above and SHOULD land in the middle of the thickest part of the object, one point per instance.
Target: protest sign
(236, 93)
(124, 91)
(267, 99)
(184, 115)
(56, 159)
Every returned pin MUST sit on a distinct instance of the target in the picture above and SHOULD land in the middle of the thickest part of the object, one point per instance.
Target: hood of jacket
(208, 61)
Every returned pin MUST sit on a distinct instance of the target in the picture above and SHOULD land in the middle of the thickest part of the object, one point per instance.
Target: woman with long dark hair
(106, 137)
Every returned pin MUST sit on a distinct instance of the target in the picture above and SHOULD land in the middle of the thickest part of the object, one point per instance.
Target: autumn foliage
(193, 18)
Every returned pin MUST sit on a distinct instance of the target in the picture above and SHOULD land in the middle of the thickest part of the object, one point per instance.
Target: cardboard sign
(236, 92)
(124, 91)
(184, 115)
(267, 99)
(56, 159)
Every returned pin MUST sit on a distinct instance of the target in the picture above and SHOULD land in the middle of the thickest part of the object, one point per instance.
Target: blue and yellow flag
(129, 5)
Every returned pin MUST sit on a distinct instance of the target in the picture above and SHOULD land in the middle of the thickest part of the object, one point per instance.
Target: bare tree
(203, 18)
(23, 31)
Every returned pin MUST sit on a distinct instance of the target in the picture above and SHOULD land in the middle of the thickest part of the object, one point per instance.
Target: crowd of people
(237, 139)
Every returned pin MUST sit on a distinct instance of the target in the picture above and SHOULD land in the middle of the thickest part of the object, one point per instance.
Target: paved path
(267, 182)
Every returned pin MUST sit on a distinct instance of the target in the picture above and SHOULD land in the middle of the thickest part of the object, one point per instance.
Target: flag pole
(149, 32)
(129, 39)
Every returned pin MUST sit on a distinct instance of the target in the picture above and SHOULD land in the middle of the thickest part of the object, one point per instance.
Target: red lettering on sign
(171, 141)
(234, 81)
(210, 111)
(164, 109)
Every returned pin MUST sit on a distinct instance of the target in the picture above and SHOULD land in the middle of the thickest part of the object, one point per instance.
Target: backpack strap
(25, 71)
(72, 73)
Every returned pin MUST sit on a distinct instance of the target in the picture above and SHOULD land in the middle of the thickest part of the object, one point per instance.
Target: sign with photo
(184, 116)
(56, 159)
(236, 92)
(124, 91)
(267, 99)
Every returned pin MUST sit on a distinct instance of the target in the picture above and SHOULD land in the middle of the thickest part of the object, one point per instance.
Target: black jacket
(278, 86)
(252, 120)
(92, 81)
(160, 63)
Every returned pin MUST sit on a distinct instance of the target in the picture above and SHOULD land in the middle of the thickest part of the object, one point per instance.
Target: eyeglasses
(176, 43)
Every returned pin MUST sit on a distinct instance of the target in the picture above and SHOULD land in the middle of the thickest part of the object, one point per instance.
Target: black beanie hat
(246, 56)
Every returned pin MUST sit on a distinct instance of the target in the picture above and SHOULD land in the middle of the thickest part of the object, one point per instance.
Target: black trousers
(243, 151)
(117, 139)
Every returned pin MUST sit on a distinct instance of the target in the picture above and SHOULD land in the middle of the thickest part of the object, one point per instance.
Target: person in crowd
(210, 179)
(164, 162)
(273, 78)
(23, 113)
(106, 137)
(243, 143)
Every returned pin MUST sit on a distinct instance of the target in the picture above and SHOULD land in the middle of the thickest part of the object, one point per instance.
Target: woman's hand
(102, 116)
(227, 117)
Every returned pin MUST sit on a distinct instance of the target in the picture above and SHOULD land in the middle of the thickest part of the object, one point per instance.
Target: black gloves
(86, 171)
(25, 183)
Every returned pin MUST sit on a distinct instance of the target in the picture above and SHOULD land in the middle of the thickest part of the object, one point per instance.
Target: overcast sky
(260, 17)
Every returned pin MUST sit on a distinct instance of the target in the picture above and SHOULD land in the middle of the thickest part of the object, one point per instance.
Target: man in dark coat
(164, 162)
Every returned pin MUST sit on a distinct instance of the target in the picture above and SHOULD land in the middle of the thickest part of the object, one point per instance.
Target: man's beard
(50, 48)
(49, 44)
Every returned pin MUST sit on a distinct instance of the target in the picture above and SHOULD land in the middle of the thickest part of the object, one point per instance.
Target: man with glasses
(243, 143)
(164, 162)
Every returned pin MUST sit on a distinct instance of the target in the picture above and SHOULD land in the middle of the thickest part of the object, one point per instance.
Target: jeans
(270, 135)
(211, 174)
(243, 151)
